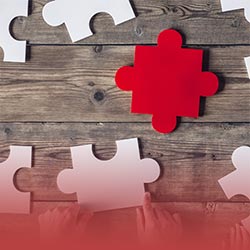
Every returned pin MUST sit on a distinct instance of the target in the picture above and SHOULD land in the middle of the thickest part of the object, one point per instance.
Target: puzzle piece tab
(229, 5)
(77, 14)
(167, 81)
(12, 200)
(14, 51)
(112, 184)
(238, 182)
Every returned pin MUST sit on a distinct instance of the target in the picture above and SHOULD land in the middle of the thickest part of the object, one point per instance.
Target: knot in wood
(98, 49)
(98, 96)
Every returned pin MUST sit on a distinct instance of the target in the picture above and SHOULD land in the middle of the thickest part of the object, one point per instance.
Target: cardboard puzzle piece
(238, 181)
(12, 200)
(14, 50)
(77, 14)
(229, 5)
(167, 81)
(107, 185)
(247, 62)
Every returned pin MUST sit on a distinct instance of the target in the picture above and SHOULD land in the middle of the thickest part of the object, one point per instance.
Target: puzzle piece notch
(190, 84)
(13, 50)
(107, 185)
(77, 14)
(238, 181)
(229, 5)
(12, 200)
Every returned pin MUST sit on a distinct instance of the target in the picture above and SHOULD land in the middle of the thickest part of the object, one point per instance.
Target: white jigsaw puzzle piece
(13, 50)
(107, 185)
(238, 181)
(77, 14)
(229, 5)
(247, 62)
(12, 200)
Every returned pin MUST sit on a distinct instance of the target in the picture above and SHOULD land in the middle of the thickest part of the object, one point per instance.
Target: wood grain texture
(76, 84)
(65, 95)
(192, 159)
(202, 22)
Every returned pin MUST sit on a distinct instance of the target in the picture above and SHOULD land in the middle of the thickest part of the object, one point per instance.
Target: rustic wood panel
(192, 159)
(65, 96)
(65, 83)
(202, 21)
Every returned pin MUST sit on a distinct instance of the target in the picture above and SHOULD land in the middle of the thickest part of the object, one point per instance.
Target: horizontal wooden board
(76, 84)
(201, 21)
(192, 158)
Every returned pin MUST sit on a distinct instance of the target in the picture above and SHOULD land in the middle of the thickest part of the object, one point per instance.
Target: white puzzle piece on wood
(107, 185)
(238, 181)
(77, 14)
(229, 5)
(247, 62)
(12, 200)
(13, 50)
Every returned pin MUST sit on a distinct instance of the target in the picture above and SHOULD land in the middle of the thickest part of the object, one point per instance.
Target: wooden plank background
(65, 95)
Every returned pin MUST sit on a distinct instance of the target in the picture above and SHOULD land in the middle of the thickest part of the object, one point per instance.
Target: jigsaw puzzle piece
(182, 81)
(238, 181)
(12, 200)
(247, 62)
(107, 185)
(77, 14)
(150, 67)
(167, 81)
(14, 51)
(229, 5)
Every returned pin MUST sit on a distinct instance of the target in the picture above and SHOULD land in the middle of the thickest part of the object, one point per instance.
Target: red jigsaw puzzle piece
(167, 81)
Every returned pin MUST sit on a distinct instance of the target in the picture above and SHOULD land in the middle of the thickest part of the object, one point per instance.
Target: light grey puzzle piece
(229, 5)
(77, 14)
(238, 182)
(112, 184)
(247, 62)
(14, 50)
(12, 200)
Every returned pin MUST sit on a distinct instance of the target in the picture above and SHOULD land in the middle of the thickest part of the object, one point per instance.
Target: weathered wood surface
(72, 83)
(192, 159)
(202, 22)
(65, 95)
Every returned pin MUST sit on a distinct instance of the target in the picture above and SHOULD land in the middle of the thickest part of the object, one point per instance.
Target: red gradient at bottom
(31, 244)
(22, 232)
